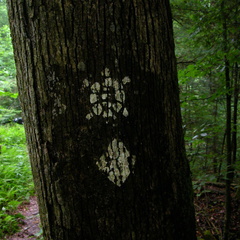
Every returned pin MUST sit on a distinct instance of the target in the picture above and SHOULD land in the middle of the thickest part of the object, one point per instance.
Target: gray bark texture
(98, 87)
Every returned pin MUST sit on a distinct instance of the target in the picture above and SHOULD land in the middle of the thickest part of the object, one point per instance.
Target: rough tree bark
(98, 87)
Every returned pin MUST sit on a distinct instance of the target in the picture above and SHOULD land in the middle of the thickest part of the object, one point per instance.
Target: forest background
(207, 35)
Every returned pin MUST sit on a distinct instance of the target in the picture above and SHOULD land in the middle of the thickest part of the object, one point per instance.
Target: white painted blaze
(107, 99)
(116, 162)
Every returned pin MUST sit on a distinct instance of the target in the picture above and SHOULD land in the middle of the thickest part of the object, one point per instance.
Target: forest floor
(30, 225)
(210, 212)
(209, 206)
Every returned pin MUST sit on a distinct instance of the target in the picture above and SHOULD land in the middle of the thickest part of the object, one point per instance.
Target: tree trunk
(235, 114)
(229, 174)
(98, 87)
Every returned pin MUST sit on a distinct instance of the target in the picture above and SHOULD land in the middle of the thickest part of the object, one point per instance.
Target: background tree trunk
(230, 170)
(98, 87)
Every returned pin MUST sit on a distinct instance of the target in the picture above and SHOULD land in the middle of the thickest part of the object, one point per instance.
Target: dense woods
(206, 35)
(207, 39)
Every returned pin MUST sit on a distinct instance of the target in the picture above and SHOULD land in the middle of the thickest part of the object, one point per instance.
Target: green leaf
(8, 94)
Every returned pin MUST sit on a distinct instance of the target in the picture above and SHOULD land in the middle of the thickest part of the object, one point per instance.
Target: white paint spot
(120, 96)
(110, 113)
(116, 85)
(104, 96)
(105, 115)
(126, 80)
(96, 87)
(89, 116)
(117, 107)
(93, 98)
(81, 66)
(125, 112)
(97, 109)
(108, 82)
(85, 83)
(106, 72)
(116, 63)
(116, 162)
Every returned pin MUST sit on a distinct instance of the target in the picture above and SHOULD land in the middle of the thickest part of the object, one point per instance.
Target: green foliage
(6, 53)
(208, 236)
(16, 183)
(201, 52)
(8, 88)
(7, 115)
(9, 223)
(3, 13)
